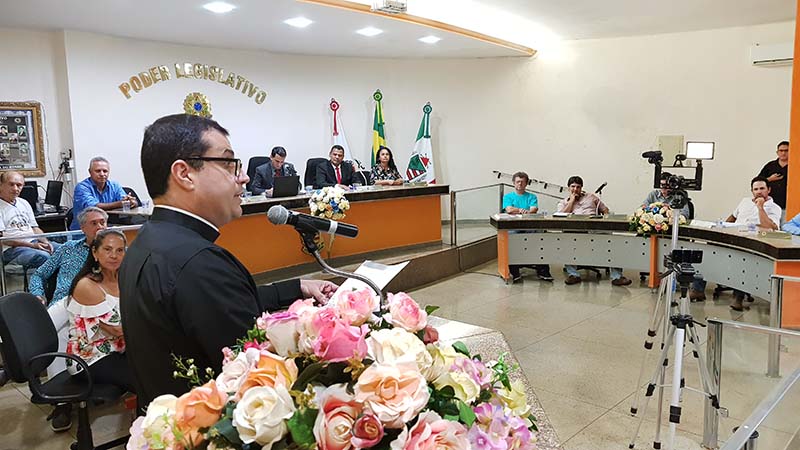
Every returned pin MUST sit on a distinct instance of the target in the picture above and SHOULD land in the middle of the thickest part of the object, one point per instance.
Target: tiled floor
(581, 348)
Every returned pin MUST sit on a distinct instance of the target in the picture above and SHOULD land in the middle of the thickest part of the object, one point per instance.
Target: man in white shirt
(760, 209)
(17, 219)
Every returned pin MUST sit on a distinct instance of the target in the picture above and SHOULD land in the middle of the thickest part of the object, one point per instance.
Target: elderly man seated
(586, 203)
(69, 258)
(17, 220)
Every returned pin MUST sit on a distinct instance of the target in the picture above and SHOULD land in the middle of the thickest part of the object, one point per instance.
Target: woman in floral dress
(95, 332)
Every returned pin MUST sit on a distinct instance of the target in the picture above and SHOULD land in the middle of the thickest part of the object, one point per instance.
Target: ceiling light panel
(369, 31)
(298, 22)
(430, 39)
(219, 7)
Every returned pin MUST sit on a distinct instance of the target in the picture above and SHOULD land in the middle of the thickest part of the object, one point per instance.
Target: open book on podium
(380, 274)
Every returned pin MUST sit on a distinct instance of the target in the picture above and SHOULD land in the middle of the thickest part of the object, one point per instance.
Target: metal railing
(500, 193)
(714, 362)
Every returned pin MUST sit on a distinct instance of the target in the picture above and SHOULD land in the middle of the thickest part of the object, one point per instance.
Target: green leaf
(466, 414)
(461, 347)
(301, 425)
(450, 408)
(447, 392)
(430, 309)
(306, 376)
(226, 429)
(451, 418)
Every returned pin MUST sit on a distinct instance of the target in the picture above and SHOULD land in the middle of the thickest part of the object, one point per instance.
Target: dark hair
(521, 175)
(786, 143)
(575, 180)
(278, 151)
(759, 178)
(664, 176)
(336, 147)
(391, 157)
(91, 263)
(168, 139)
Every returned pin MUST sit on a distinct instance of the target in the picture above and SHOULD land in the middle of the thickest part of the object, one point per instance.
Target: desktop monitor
(53, 195)
(29, 193)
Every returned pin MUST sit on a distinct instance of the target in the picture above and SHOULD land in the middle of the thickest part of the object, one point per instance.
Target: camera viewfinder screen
(699, 150)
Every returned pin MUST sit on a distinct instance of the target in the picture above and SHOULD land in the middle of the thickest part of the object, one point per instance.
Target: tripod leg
(652, 331)
(705, 376)
(656, 382)
(674, 405)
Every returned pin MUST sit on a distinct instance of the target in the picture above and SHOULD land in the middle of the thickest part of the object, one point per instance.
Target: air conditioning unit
(772, 54)
(390, 6)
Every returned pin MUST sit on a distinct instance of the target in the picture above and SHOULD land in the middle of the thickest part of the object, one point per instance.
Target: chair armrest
(34, 382)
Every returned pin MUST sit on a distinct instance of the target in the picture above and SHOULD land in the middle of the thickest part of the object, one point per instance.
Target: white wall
(590, 111)
(35, 71)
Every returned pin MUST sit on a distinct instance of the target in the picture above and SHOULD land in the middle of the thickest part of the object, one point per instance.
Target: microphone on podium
(279, 215)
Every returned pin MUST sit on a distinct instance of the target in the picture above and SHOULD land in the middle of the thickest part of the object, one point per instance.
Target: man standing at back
(775, 172)
(181, 294)
(97, 190)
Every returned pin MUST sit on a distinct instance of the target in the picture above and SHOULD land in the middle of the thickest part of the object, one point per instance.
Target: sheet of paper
(380, 274)
(702, 223)
(561, 214)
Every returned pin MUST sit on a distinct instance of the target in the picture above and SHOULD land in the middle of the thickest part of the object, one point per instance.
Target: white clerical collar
(183, 211)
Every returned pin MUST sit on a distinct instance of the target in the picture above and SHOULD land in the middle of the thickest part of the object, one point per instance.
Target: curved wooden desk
(730, 257)
(387, 217)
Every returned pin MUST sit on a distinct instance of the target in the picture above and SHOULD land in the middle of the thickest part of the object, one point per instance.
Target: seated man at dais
(520, 201)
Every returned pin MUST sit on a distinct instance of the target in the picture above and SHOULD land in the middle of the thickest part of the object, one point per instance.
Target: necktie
(338, 175)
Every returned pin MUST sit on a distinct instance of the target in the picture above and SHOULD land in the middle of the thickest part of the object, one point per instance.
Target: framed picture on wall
(21, 144)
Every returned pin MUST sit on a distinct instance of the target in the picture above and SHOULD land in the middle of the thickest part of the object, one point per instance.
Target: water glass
(126, 205)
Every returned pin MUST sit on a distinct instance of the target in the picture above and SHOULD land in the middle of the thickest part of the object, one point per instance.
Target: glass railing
(14, 276)
(470, 210)
(755, 369)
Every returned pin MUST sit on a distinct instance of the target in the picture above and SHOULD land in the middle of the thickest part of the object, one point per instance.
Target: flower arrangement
(329, 202)
(337, 377)
(654, 218)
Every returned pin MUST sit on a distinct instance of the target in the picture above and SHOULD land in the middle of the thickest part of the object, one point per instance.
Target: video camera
(675, 182)
(680, 261)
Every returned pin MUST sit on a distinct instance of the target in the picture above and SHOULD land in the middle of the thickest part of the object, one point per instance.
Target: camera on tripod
(680, 261)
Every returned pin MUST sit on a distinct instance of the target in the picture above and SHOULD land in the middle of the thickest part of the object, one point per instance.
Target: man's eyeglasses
(232, 165)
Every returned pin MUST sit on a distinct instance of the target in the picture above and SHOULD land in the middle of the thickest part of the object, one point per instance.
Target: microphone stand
(308, 241)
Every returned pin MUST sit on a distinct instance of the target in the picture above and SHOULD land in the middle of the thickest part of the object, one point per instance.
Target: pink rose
(261, 322)
(337, 414)
(406, 313)
(431, 432)
(282, 331)
(395, 394)
(338, 341)
(367, 432)
(430, 336)
(355, 307)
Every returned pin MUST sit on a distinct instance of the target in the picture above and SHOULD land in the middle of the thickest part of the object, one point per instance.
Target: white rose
(261, 415)
(514, 401)
(443, 356)
(282, 332)
(160, 415)
(236, 371)
(466, 388)
(396, 345)
(658, 218)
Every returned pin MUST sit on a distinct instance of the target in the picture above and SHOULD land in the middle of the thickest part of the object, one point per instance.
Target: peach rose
(355, 307)
(270, 370)
(395, 394)
(431, 432)
(405, 313)
(337, 414)
(367, 432)
(307, 332)
(199, 408)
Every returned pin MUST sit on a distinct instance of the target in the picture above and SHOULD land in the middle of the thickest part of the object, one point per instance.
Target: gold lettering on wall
(156, 74)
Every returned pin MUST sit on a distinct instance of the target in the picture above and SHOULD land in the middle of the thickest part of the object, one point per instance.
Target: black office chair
(252, 165)
(310, 176)
(28, 344)
(68, 218)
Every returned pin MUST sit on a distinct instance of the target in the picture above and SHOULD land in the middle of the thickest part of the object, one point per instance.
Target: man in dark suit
(335, 172)
(181, 294)
(276, 167)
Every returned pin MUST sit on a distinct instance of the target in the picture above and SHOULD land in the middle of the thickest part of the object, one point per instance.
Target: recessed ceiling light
(219, 7)
(369, 31)
(298, 22)
(430, 39)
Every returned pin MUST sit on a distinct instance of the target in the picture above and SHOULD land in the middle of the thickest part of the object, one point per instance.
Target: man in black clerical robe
(181, 294)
